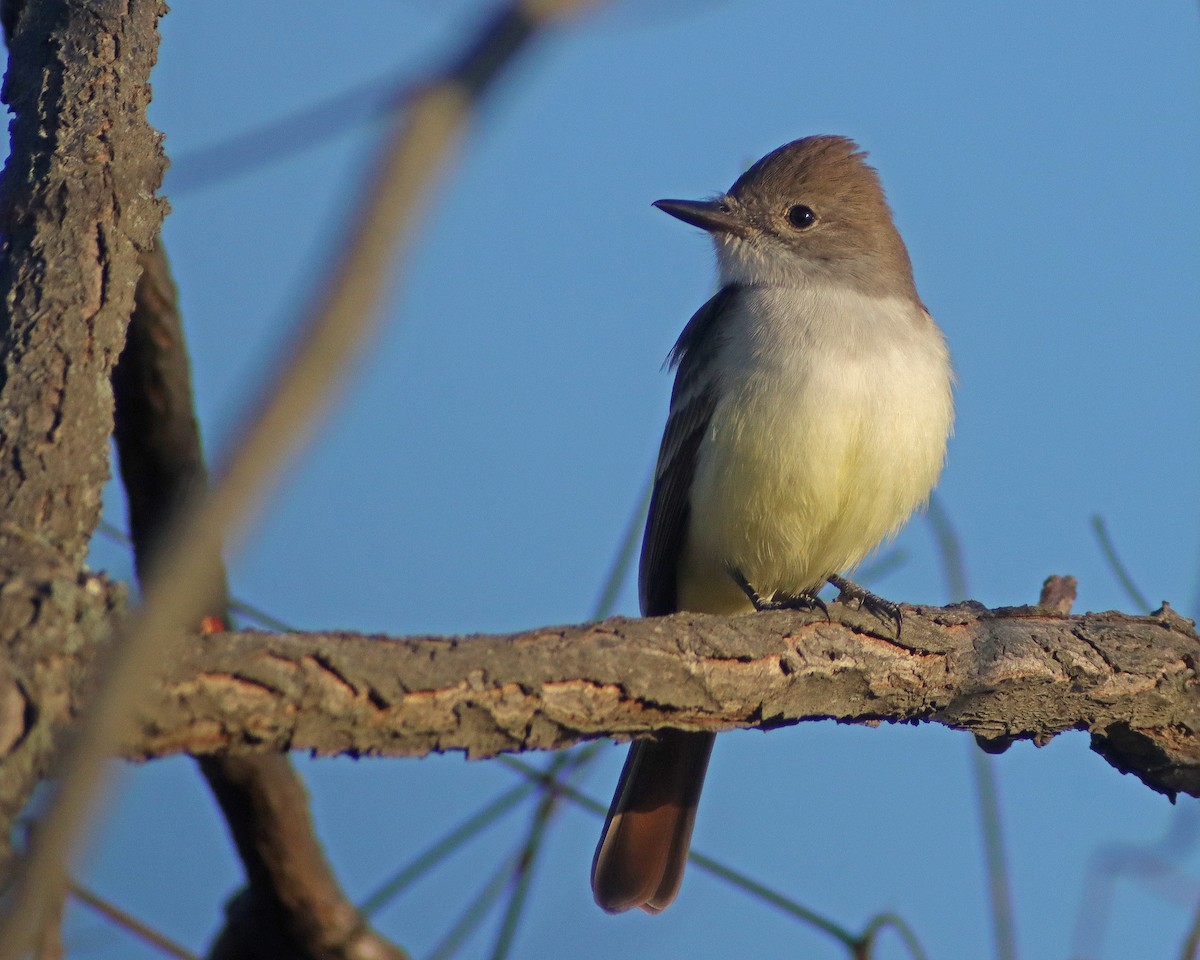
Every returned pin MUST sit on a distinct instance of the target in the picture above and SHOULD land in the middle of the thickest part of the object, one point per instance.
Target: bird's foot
(885, 610)
(780, 601)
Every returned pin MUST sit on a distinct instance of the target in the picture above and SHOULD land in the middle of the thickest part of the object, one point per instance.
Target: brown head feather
(853, 231)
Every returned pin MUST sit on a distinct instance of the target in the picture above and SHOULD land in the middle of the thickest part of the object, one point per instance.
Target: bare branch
(130, 923)
(293, 906)
(1017, 672)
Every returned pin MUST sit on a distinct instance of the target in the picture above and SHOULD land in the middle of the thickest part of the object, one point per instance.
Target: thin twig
(576, 761)
(1191, 946)
(441, 849)
(954, 565)
(1109, 549)
(890, 921)
(954, 570)
(526, 859)
(477, 909)
(562, 764)
(999, 892)
(623, 560)
(708, 864)
(1156, 865)
(281, 137)
(130, 923)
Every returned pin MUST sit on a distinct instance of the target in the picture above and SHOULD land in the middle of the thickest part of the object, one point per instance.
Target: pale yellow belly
(791, 489)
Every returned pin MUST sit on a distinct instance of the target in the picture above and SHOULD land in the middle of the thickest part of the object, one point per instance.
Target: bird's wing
(693, 400)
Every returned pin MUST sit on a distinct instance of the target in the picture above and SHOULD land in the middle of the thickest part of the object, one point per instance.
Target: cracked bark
(77, 202)
(1024, 673)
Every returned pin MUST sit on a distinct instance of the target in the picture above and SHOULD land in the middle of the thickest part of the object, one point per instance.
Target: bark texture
(1022, 673)
(77, 203)
(54, 623)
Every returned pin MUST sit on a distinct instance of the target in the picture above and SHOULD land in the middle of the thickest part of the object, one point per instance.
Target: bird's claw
(886, 610)
(780, 601)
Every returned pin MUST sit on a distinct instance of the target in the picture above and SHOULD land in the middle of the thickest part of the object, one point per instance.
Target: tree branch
(1016, 672)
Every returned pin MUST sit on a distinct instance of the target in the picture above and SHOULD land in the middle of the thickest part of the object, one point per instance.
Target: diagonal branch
(293, 906)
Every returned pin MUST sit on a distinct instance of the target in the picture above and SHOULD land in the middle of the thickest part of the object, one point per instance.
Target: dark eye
(801, 217)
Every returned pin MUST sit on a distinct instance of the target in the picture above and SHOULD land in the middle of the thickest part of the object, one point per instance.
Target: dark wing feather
(693, 400)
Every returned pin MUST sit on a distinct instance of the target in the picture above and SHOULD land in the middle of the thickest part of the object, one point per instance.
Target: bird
(809, 418)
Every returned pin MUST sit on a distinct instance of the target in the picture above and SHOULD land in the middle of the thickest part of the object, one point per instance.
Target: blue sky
(478, 473)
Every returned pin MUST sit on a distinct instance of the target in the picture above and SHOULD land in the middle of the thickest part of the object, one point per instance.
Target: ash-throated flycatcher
(808, 420)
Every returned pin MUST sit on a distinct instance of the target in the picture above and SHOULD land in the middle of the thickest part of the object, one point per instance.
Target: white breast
(831, 429)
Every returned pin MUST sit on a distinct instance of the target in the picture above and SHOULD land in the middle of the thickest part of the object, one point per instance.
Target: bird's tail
(641, 855)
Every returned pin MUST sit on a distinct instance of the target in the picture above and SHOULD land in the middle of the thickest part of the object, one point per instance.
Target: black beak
(715, 216)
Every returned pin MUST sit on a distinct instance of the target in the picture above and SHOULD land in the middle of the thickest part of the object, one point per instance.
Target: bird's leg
(885, 610)
(779, 601)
